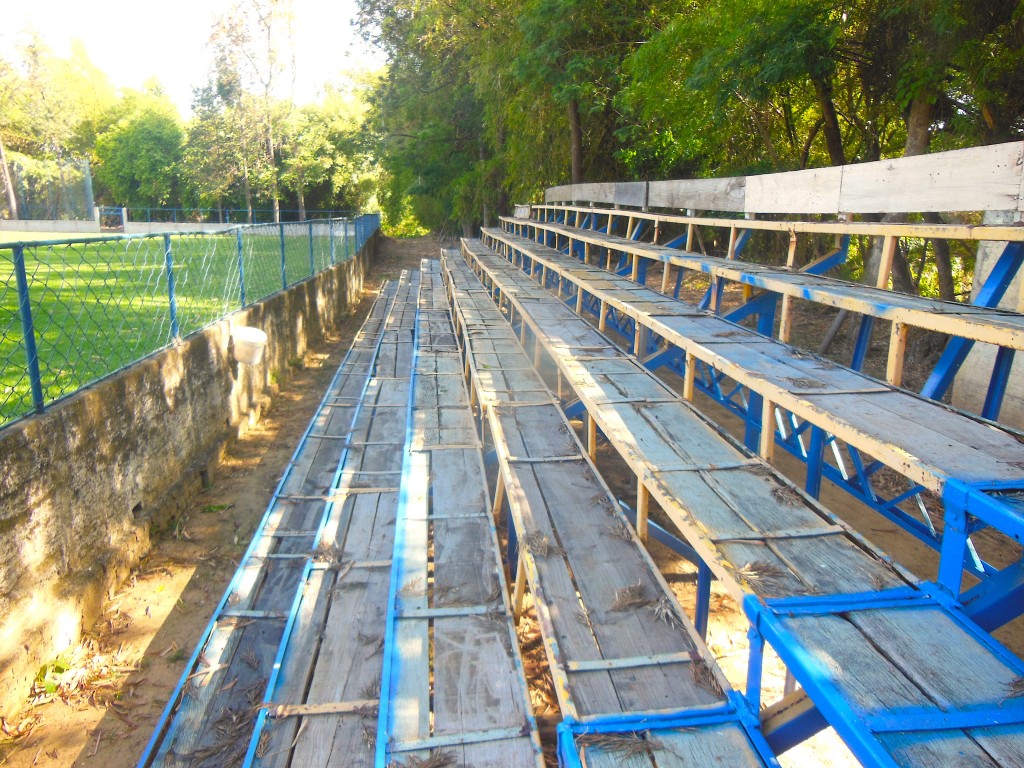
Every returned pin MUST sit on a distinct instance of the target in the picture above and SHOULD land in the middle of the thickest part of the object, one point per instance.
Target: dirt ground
(117, 683)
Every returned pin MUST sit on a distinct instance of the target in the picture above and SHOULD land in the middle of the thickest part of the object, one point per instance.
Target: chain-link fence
(74, 311)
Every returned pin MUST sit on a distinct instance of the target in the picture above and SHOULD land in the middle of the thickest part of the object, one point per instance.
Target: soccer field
(100, 304)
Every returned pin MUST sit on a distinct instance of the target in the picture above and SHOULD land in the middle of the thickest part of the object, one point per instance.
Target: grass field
(101, 305)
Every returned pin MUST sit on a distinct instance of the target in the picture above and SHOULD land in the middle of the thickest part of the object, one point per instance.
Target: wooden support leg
(786, 320)
(790, 685)
(885, 268)
(766, 446)
(520, 589)
(691, 372)
(665, 275)
(602, 323)
(579, 300)
(591, 436)
(640, 340)
(499, 497)
(643, 500)
(897, 352)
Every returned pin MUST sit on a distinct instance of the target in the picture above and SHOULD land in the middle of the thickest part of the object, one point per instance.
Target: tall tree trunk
(919, 122)
(830, 124)
(576, 141)
(302, 202)
(943, 261)
(12, 200)
(485, 213)
(919, 125)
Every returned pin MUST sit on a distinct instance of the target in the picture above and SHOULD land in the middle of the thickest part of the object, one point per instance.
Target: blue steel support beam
(860, 349)
(813, 677)
(997, 600)
(991, 293)
(28, 329)
(662, 536)
(997, 384)
(704, 579)
(815, 460)
(802, 720)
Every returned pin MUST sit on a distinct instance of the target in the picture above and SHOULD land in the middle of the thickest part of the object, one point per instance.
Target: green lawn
(101, 305)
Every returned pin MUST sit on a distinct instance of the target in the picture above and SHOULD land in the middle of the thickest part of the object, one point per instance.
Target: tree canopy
(247, 145)
(486, 100)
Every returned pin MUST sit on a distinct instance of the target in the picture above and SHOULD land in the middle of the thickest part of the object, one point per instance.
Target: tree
(138, 157)
(306, 153)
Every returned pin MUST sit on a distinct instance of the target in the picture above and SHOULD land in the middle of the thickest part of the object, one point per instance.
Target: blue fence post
(28, 329)
(241, 264)
(169, 264)
(284, 273)
(330, 238)
(312, 263)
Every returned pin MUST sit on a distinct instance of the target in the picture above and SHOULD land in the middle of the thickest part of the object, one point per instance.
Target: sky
(133, 41)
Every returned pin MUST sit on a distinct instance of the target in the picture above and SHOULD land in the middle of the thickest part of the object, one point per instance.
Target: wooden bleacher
(371, 621)
(873, 649)
(934, 445)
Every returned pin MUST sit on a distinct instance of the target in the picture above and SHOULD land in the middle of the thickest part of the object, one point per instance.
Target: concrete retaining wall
(159, 227)
(84, 484)
(37, 225)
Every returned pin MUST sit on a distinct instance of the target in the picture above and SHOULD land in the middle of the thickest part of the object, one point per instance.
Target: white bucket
(249, 344)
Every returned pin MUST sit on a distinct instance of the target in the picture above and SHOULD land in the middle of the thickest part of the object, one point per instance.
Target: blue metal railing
(75, 311)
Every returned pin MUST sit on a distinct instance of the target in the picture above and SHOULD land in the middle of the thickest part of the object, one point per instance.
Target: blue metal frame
(171, 295)
(858, 729)
(385, 712)
(28, 329)
(240, 253)
(284, 272)
(998, 280)
(734, 711)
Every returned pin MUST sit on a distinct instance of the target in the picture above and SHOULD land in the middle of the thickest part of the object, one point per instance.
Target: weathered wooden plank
(701, 194)
(975, 179)
(458, 676)
(816, 190)
(980, 178)
(723, 745)
(240, 653)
